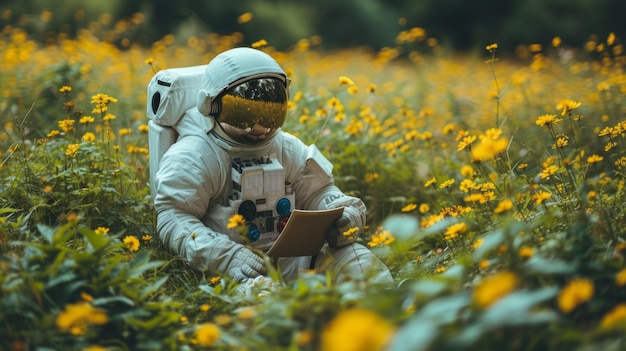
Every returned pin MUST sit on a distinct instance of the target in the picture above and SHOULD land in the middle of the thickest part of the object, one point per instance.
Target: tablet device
(305, 233)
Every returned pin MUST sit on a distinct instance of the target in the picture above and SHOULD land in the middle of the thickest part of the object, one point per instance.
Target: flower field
(495, 186)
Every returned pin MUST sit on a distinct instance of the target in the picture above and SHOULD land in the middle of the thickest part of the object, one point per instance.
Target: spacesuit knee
(353, 262)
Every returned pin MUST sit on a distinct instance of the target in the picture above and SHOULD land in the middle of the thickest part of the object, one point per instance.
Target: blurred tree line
(458, 24)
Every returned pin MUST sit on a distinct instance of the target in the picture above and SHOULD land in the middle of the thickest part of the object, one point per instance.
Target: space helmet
(246, 91)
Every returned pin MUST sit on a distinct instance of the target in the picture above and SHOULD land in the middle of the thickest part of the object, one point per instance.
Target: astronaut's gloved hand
(260, 285)
(347, 228)
(244, 264)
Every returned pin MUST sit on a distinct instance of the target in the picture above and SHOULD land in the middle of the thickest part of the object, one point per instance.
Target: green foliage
(494, 199)
(72, 265)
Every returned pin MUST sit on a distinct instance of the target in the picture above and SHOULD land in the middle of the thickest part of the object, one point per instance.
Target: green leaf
(428, 288)
(515, 309)
(151, 288)
(490, 242)
(541, 265)
(95, 240)
(402, 227)
(419, 333)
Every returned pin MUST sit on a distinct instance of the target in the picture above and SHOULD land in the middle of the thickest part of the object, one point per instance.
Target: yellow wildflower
(131, 242)
(65, 89)
(354, 126)
(548, 172)
(53, 133)
(480, 198)
(102, 102)
(76, 318)
(488, 148)
(382, 238)
(343, 80)
(124, 131)
(207, 334)
(547, 120)
(72, 150)
(610, 40)
(430, 182)
(466, 143)
(526, 252)
(491, 47)
(86, 119)
(247, 312)
(561, 142)
(371, 177)
(86, 297)
(446, 184)
(467, 171)
(367, 331)
(576, 292)
(101, 230)
(95, 348)
(66, 125)
(477, 243)
(205, 307)
(304, 337)
(493, 288)
(89, 137)
(146, 237)
(616, 315)
(454, 230)
(540, 196)
(620, 278)
(409, 208)
(566, 106)
(350, 231)
(222, 319)
(259, 43)
(503, 206)
(467, 185)
(594, 159)
(424, 208)
(245, 17)
(235, 221)
(215, 279)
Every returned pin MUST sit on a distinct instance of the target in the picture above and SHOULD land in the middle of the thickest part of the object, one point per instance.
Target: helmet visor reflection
(257, 102)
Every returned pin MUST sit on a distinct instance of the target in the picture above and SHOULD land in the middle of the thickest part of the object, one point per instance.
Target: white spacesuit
(238, 116)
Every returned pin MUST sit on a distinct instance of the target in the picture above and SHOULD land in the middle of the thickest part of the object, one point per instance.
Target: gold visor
(244, 113)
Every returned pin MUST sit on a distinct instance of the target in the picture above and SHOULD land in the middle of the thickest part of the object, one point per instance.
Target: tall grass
(495, 188)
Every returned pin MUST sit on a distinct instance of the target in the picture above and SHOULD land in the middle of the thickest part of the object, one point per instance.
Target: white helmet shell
(231, 66)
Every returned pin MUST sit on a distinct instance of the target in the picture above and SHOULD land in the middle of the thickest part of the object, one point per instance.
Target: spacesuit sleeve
(186, 184)
(314, 186)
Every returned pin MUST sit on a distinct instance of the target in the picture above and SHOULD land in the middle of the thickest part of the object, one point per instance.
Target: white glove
(244, 264)
(261, 285)
(350, 223)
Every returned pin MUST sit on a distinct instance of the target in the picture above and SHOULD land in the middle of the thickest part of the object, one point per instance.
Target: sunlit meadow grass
(495, 188)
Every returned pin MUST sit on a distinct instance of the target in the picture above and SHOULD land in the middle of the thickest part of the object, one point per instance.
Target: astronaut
(239, 115)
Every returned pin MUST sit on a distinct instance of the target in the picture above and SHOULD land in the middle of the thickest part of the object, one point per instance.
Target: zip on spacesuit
(231, 157)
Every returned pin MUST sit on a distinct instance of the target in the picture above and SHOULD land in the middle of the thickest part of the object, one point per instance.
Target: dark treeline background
(457, 24)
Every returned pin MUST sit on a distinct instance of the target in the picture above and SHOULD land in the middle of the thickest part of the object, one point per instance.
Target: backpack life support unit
(171, 92)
